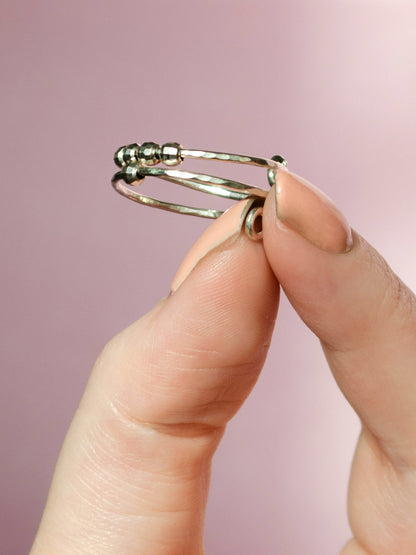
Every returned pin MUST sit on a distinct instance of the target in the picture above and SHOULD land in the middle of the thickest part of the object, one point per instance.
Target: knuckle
(391, 300)
(398, 301)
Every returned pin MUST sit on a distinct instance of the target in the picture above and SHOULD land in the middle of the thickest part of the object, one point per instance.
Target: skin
(134, 470)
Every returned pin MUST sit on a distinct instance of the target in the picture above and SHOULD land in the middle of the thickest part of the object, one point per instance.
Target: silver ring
(138, 161)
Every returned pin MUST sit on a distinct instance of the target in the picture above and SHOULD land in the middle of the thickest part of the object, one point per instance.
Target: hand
(133, 474)
(365, 318)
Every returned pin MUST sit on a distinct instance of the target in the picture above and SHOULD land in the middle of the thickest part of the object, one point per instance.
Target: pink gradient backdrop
(331, 85)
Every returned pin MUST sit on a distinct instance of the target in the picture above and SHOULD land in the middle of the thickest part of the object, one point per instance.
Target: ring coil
(138, 162)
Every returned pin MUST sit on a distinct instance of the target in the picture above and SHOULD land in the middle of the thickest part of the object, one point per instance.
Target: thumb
(345, 292)
(133, 474)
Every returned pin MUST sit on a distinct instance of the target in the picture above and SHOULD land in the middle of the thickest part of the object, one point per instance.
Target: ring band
(138, 161)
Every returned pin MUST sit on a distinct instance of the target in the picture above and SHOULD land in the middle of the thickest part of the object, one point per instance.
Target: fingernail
(306, 210)
(227, 226)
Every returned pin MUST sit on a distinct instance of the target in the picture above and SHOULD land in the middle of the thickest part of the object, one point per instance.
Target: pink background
(331, 85)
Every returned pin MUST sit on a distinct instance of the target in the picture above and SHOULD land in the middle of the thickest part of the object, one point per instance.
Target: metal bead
(171, 154)
(131, 175)
(280, 159)
(131, 153)
(149, 154)
(126, 155)
(271, 173)
(254, 223)
(118, 157)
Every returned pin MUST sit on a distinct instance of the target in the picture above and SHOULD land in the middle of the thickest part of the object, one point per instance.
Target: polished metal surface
(254, 220)
(136, 162)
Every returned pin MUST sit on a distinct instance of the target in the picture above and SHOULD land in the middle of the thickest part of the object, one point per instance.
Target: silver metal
(171, 154)
(253, 222)
(148, 154)
(136, 162)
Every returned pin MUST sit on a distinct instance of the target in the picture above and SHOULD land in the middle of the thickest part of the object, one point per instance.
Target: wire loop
(136, 162)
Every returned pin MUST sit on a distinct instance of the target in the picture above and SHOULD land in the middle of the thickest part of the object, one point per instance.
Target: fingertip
(321, 284)
(303, 208)
(226, 228)
(232, 293)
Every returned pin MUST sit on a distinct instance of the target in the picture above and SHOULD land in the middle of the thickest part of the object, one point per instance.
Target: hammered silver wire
(138, 162)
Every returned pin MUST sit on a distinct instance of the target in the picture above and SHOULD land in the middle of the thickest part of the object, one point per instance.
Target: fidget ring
(139, 161)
